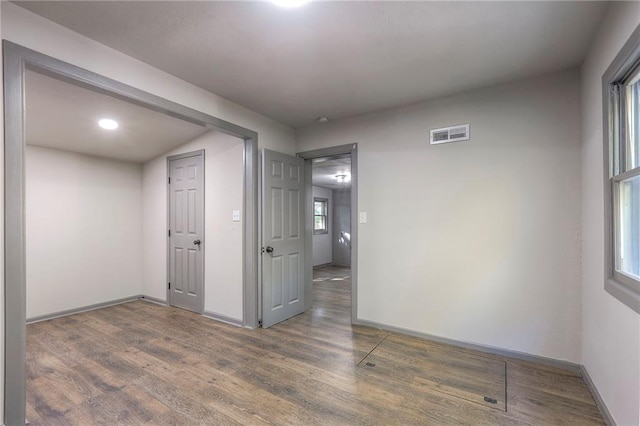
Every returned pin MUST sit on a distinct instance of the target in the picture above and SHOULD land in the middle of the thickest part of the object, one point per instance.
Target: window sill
(623, 293)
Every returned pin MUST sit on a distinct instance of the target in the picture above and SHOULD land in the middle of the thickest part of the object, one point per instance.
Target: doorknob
(269, 249)
(196, 242)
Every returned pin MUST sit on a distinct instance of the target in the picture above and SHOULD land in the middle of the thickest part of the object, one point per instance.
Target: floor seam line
(506, 393)
(374, 348)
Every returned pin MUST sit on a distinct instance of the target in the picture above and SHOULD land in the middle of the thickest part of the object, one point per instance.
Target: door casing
(308, 156)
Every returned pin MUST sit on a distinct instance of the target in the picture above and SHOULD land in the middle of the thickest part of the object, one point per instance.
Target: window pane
(628, 242)
(632, 126)
(318, 207)
(319, 223)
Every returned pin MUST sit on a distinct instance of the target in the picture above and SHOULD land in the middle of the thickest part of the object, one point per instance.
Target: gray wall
(341, 215)
(83, 230)
(611, 330)
(223, 174)
(476, 241)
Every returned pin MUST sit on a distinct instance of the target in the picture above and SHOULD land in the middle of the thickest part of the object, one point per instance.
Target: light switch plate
(363, 217)
(236, 216)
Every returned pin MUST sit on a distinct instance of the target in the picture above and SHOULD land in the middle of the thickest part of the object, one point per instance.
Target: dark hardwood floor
(141, 363)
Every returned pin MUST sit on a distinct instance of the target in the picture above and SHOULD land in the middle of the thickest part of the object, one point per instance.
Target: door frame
(199, 152)
(308, 156)
(16, 59)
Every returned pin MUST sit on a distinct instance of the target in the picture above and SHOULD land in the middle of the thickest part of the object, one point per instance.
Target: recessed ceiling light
(290, 4)
(108, 124)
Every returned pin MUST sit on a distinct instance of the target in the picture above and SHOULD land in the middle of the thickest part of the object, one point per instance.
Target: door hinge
(169, 232)
(169, 286)
(169, 179)
(262, 250)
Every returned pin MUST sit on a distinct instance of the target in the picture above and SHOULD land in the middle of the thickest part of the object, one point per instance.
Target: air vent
(449, 134)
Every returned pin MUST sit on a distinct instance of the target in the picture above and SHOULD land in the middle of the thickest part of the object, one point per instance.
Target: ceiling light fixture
(322, 119)
(108, 124)
(290, 4)
(343, 177)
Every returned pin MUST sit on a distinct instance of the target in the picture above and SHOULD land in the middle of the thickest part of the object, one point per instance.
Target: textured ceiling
(338, 59)
(63, 116)
(324, 171)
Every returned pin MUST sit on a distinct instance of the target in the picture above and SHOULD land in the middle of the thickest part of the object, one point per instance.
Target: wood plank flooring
(464, 375)
(141, 363)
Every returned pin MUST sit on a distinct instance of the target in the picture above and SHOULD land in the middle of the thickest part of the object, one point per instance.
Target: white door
(186, 231)
(282, 237)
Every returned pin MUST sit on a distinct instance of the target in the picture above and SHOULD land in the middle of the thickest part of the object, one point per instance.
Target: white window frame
(326, 216)
(622, 286)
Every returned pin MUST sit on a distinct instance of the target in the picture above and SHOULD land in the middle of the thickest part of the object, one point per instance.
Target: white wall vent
(449, 134)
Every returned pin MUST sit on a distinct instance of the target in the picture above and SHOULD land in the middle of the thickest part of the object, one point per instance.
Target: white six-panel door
(282, 237)
(186, 232)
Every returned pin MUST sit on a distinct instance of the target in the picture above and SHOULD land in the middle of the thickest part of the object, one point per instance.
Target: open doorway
(331, 189)
(89, 217)
(125, 178)
(96, 204)
(331, 271)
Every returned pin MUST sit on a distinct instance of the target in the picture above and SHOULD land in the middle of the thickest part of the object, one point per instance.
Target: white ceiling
(63, 116)
(324, 171)
(338, 59)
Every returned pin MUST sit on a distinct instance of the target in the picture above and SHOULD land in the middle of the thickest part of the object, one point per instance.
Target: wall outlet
(363, 217)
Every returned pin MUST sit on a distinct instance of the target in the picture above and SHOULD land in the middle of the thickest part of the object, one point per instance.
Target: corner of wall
(610, 350)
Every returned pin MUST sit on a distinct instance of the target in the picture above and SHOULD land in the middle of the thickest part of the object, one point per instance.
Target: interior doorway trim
(351, 149)
(16, 59)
